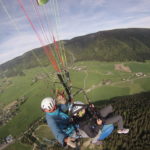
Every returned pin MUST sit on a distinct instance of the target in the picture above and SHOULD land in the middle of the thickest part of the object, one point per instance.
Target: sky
(63, 19)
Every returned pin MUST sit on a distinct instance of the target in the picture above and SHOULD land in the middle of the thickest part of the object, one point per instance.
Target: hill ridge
(131, 44)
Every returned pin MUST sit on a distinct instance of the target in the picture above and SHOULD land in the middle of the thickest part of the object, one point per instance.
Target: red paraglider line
(45, 35)
(40, 21)
(57, 50)
(47, 50)
(51, 34)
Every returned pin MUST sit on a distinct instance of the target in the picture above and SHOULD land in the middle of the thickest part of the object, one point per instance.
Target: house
(9, 138)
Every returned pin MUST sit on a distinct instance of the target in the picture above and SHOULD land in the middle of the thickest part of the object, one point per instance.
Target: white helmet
(48, 103)
(76, 107)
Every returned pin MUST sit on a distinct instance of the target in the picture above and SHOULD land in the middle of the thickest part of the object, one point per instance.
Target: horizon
(70, 39)
(77, 19)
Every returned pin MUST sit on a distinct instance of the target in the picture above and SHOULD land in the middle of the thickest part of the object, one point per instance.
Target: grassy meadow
(91, 77)
(18, 146)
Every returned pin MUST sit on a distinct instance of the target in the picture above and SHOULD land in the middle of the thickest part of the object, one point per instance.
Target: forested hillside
(135, 111)
(113, 45)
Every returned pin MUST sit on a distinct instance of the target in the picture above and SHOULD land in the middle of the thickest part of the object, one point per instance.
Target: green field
(44, 132)
(18, 146)
(91, 78)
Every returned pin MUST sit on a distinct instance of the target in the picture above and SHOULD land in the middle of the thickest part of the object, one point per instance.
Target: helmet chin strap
(49, 111)
(55, 107)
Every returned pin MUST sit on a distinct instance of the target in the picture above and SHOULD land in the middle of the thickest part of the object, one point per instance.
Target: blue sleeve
(59, 135)
(64, 107)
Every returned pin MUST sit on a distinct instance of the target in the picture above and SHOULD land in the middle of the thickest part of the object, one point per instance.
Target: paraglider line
(47, 50)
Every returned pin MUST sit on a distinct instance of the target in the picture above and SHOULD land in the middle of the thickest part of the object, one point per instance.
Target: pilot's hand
(99, 121)
(70, 142)
(92, 105)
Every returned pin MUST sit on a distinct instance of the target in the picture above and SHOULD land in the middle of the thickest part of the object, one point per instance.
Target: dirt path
(93, 87)
(10, 105)
(114, 83)
(5, 145)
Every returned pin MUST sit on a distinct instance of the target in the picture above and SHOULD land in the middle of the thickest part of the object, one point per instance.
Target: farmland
(100, 80)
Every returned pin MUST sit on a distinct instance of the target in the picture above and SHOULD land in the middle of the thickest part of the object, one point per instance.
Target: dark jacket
(88, 124)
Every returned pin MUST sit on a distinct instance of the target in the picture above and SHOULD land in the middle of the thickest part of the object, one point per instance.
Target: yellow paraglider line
(57, 21)
(51, 36)
(61, 43)
(47, 35)
(41, 24)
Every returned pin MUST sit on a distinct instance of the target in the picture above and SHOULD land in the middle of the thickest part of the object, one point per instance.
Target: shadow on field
(134, 110)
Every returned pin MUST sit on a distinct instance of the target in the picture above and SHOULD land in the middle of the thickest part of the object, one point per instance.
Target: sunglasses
(80, 113)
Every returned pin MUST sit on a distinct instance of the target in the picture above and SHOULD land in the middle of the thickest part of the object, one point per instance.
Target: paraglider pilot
(59, 122)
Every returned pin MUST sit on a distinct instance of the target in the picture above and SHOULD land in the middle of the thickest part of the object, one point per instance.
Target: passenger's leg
(105, 111)
(80, 133)
(115, 119)
(94, 140)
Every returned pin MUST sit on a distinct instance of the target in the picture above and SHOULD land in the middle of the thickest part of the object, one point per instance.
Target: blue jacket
(59, 123)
